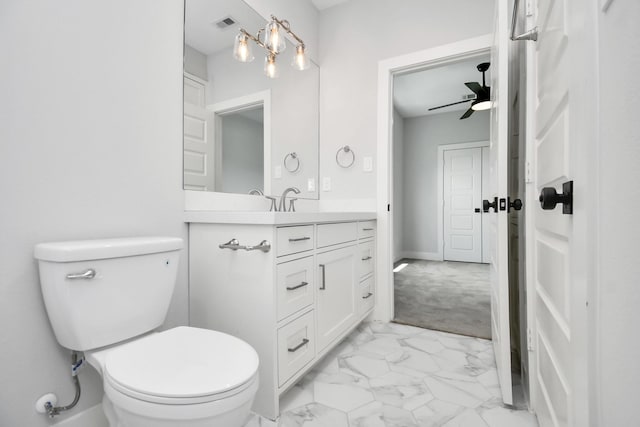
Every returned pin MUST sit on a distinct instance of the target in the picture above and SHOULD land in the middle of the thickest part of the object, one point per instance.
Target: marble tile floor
(393, 375)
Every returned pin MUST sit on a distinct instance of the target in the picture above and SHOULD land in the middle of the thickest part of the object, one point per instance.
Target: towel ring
(347, 150)
(294, 156)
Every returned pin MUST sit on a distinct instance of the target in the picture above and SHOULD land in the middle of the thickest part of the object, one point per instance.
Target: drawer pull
(367, 258)
(322, 287)
(299, 239)
(369, 295)
(292, 288)
(299, 346)
(367, 229)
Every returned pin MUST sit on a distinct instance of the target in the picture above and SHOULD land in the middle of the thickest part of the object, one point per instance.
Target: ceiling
(416, 91)
(201, 16)
(325, 4)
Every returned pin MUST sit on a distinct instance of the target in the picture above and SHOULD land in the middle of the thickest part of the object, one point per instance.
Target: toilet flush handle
(89, 274)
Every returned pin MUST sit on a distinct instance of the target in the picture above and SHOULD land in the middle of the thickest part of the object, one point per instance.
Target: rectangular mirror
(244, 131)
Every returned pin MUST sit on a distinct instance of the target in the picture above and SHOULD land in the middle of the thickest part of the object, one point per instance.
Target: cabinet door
(336, 292)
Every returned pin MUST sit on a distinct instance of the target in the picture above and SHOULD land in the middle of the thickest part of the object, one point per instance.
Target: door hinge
(527, 173)
(529, 340)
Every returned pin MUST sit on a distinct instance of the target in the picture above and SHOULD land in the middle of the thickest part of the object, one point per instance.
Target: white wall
(422, 136)
(398, 184)
(91, 147)
(195, 62)
(617, 345)
(243, 154)
(354, 36)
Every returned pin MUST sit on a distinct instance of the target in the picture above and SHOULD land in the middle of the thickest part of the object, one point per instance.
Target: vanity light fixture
(271, 39)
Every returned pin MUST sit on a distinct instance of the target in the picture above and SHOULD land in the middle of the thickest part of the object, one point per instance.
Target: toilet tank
(128, 295)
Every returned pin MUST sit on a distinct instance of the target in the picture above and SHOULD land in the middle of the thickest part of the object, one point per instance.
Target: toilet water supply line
(76, 364)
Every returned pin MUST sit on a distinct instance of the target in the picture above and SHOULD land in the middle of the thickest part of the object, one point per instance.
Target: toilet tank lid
(83, 250)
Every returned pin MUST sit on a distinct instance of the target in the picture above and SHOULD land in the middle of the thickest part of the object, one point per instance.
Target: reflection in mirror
(240, 142)
(215, 81)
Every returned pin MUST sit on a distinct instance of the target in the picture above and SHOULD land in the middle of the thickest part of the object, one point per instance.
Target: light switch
(277, 172)
(367, 164)
(311, 185)
(326, 184)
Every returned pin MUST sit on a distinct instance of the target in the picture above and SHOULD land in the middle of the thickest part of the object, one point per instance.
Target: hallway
(445, 296)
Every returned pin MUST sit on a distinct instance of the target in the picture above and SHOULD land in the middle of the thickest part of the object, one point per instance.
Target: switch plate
(367, 164)
(326, 184)
(311, 185)
(277, 172)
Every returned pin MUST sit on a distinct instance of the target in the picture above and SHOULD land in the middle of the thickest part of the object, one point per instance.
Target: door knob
(516, 205)
(549, 198)
(486, 205)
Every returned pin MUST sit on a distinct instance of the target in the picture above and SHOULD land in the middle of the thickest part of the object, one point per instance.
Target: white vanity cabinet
(293, 303)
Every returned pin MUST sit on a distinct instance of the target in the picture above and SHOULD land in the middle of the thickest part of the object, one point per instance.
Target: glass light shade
(270, 69)
(273, 38)
(242, 48)
(482, 105)
(300, 59)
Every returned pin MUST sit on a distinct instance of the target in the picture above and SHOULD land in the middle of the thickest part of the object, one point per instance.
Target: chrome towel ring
(291, 168)
(345, 163)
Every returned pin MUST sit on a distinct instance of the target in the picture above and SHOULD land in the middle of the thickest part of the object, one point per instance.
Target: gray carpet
(445, 296)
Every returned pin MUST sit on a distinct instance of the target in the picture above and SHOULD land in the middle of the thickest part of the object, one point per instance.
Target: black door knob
(549, 198)
(486, 205)
(516, 205)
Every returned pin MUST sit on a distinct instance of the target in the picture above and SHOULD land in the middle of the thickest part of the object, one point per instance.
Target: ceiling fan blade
(467, 114)
(475, 87)
(449, 105)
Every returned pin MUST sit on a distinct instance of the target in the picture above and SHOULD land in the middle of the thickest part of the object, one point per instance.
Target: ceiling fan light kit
(482, 99)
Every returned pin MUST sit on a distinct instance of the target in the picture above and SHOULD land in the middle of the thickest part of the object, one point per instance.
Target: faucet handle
(292, 207)
(273, 207)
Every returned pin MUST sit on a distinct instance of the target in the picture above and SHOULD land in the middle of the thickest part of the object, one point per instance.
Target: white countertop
(274, 218)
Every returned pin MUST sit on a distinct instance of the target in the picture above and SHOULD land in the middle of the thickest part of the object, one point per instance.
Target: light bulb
(482, 105)
(274, 41)
(270, 69)
(242, 49)
(300, 59)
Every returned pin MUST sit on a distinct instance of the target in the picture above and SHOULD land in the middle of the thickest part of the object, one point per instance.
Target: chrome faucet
(255, 192)
(283, 200)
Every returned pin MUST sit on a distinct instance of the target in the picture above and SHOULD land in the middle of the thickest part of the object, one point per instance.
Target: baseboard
(427, 256)
(93, 417)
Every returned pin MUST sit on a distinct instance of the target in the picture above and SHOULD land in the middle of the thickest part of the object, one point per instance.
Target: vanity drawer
(367, 259)
(366, 229)
(366, 297)
(290, 240)
(294, 284)
(332, 234)
(296, 346)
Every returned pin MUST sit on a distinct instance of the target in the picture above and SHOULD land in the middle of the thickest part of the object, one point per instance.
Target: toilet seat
(181, 366)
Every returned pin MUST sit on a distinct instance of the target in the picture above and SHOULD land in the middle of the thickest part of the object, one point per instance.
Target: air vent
(225, 22)
(468, 96)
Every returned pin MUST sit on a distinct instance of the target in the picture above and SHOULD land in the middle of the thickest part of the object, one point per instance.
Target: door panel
(198, 139)
(462, 193)
(552, 230)
(498, 223)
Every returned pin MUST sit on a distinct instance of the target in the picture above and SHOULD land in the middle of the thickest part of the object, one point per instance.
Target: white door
(198, 139)
(336, 284)
(486, 259)
(462, 195)
(552, 230)
(497, 222)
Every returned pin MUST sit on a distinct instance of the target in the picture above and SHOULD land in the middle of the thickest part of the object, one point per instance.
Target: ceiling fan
(483, 94)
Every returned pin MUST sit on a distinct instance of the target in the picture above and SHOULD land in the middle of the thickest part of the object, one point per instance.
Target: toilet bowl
(106, 298)
(184, 376)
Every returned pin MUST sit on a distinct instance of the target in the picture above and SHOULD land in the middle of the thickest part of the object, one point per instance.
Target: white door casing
(498, 188)
(485, 195)
(462, 194)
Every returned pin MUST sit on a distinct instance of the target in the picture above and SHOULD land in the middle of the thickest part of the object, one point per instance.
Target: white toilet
(104, 297)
